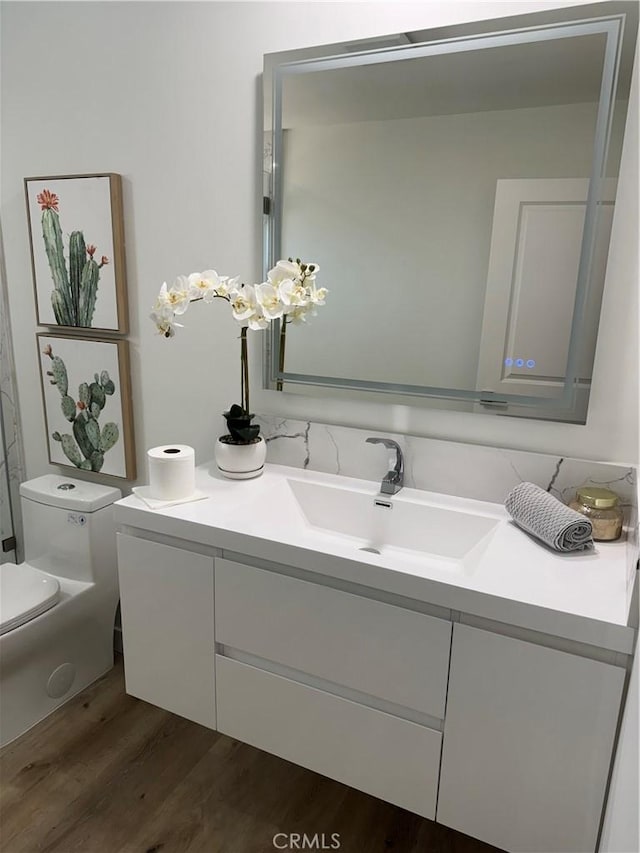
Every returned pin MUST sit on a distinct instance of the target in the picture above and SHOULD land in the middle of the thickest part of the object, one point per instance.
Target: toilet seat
(25, 592)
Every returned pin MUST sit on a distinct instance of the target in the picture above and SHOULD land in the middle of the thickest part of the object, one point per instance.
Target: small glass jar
(602, 508)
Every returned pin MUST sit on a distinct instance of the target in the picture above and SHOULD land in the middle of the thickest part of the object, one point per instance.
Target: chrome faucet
(393, 480)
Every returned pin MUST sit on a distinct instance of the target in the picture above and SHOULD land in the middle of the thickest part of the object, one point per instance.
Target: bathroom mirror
(457, 188)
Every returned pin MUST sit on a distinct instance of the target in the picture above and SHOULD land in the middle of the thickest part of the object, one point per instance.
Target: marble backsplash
(466, 470)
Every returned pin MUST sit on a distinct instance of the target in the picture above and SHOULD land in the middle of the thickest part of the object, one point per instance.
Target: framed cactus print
(77, 251)
(86, 393)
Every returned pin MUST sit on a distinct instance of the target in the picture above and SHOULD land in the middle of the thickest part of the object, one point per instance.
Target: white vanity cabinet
(527, 743)
(166, 597)
(495, 730)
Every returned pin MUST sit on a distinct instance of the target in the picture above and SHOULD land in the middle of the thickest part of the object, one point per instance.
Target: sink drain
(369, 550)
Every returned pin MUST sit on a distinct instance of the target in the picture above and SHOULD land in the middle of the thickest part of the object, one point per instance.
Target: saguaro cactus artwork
(87, 446)
(75, 289)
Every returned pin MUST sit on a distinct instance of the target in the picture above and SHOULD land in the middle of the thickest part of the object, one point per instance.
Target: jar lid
(596, 497)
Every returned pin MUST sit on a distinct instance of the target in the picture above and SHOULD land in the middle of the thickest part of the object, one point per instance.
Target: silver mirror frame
(527, 29)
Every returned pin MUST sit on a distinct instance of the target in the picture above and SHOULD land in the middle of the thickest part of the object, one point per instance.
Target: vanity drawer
(394, 654)
(388, 757)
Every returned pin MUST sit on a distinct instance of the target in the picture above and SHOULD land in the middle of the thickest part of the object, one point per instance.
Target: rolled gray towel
(548, 519)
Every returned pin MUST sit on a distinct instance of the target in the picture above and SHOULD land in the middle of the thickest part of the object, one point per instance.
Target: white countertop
(583, 596)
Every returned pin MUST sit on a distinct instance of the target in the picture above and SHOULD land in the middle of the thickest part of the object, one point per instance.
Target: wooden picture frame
(76, 238)
(86, 394)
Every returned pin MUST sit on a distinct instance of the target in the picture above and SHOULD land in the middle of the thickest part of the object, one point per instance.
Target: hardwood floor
(108, 773)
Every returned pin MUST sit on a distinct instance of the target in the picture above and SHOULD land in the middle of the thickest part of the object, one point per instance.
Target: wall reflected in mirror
(444, 197)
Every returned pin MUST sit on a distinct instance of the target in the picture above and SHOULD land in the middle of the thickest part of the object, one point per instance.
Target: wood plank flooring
(108, 773)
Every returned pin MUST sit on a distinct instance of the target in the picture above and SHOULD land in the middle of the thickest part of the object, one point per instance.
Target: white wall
(167, 94)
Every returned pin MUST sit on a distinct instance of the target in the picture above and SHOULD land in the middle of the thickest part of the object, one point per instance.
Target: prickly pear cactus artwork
(86, 447)
(75, 289)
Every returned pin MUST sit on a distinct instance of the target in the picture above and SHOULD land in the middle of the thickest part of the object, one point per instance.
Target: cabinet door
(167, 627)
(527, 743)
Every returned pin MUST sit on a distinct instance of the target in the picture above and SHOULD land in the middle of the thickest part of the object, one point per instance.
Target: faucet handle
(387, 442)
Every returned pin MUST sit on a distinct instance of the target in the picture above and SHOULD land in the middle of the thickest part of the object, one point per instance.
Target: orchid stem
(281, 353)
(244, 366)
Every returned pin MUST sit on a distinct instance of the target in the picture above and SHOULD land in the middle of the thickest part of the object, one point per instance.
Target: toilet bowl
(57, 609)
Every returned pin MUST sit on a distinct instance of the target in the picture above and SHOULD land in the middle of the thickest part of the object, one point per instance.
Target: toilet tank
(68, 527)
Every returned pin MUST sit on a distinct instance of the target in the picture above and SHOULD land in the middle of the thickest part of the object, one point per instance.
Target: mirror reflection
(444, 189)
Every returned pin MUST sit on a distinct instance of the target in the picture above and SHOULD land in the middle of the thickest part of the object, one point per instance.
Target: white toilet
(57, 609)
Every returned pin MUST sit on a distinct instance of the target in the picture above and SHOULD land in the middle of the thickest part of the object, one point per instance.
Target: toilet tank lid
(78, 494)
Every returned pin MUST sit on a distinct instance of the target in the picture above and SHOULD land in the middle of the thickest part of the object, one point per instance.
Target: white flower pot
(241, 461)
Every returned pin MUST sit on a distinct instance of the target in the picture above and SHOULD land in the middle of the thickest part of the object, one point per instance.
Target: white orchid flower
(318, 296)
(269, 300)
(227, 285)
(243, 302)
(163, 317)
(257, 322)
(202, 285)
(177, 298)
(163, 298)
(298, 314)
(284, 270)
(292, 294)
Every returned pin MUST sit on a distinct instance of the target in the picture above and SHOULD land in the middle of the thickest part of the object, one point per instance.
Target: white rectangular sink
(408, 523)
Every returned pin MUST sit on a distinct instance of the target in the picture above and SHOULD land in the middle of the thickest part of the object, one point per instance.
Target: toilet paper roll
(172, 472)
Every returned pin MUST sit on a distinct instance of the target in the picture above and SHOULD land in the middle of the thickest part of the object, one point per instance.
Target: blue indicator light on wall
(508, 362)
(519, 362)
(531, 363)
